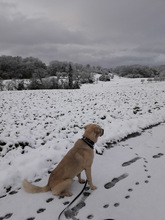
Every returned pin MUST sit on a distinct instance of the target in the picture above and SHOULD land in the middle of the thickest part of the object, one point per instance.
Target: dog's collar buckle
(88, 142)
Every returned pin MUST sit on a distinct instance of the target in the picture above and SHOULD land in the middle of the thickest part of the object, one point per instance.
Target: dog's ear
(86, 126)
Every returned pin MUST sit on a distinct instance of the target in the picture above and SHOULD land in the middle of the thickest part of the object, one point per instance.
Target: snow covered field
(38, 128)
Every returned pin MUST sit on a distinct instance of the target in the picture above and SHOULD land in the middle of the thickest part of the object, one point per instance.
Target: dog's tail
(30, 188)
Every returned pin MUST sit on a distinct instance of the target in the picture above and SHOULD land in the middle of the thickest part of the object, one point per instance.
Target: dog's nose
(102, 132)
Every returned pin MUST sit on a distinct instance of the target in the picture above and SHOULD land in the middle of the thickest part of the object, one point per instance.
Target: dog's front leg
(89, 178)
(79, 178)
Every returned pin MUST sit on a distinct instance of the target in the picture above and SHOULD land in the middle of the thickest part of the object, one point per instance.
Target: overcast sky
(98, 32)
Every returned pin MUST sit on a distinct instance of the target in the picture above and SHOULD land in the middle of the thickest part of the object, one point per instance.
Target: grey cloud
(99, 32)
(156, 48)
(34, 31)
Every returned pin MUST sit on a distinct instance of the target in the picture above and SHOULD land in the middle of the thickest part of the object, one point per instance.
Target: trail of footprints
(73, 212)
(115, 180)
(127, 163)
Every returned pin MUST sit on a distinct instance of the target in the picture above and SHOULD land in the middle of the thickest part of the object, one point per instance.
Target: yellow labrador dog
(78, 158)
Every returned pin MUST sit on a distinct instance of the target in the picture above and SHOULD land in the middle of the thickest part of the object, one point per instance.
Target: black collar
(88, 142)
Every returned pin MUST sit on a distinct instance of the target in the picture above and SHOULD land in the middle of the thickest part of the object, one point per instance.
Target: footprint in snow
(106, 206)
(115, 180)
(71, 213)
(158, 155)
(116, 204)
(49, 200)
(40, 210)
(131, 161)
(130, 190)
(7, 216)
(90, 216)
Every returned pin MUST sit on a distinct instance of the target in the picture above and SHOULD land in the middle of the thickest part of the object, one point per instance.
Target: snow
(38, 128)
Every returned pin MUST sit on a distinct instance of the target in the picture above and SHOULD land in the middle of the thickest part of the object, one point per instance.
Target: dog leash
(73, 200)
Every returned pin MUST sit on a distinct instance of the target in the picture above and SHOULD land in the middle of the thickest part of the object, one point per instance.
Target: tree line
(32, 73)
(26, 68)
(55, 75)
(30, 67)
(139, 71)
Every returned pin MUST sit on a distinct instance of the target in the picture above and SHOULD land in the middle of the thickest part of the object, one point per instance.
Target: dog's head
(93, 131)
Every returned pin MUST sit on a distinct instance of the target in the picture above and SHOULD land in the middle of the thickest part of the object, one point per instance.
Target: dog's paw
(93, 187)
(82, 181)
(67, 194)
